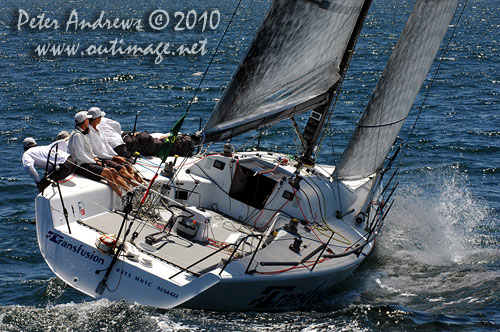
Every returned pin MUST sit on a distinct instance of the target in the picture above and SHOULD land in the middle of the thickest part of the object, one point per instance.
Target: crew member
(88, 164)
(105, 152)
(112, 131)
(38, 156)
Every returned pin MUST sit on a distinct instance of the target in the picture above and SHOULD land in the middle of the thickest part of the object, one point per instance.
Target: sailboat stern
(73, 254)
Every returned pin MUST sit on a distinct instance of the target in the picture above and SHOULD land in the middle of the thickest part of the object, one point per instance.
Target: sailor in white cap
(28, 142)
(37, 156)
(112, 131)
(88, 164)
(105, 152)
(62, 135)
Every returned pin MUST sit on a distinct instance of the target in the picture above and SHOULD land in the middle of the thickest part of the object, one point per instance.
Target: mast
(315, 124)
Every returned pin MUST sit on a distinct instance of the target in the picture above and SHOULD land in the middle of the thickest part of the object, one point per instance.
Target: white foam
(435, 220)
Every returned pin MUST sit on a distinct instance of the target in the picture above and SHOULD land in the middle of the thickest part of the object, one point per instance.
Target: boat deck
(174, 248)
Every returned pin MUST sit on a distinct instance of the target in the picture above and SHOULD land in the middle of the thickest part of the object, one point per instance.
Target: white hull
(163, 277)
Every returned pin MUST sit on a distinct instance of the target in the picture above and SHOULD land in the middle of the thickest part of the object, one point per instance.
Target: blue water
(436, 265)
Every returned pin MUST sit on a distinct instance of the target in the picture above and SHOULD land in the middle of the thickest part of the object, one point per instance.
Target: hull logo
(286, 297)
(79, 250)
(81, 208)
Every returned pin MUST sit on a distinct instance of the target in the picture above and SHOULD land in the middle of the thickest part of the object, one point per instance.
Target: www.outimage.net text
(157, 20)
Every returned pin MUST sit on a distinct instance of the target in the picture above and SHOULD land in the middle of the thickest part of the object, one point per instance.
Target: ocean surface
(436, 265)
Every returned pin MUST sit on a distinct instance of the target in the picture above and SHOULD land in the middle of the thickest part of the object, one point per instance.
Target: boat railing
(320, 249)
(243, 240)
(56, 180)
(201, 260)
(49, 163)
(356, 251)
(305, 259)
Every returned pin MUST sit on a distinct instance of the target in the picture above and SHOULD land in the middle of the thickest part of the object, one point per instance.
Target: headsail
(397, 88)
(290, 66)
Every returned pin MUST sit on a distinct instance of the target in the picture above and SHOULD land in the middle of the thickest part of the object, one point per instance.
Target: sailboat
(253, 230)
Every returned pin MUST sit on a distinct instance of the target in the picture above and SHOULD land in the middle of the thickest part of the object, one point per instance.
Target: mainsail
(397, 88)
(291, 65)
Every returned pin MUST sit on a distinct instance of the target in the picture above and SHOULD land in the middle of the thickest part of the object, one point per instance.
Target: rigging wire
(259, 134)
(213, 56)
(332, 107)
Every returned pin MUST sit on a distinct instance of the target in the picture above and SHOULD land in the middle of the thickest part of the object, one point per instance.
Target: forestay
(397, 88)
(290, 66)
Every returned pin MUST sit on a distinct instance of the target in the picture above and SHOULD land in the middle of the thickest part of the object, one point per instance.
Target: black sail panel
(397, 88)
(290, 66)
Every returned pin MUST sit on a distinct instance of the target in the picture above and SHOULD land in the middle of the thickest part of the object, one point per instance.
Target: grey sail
(290, 66)
(397, 88)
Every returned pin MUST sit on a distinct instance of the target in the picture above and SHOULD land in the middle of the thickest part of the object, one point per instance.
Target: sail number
(160, 19)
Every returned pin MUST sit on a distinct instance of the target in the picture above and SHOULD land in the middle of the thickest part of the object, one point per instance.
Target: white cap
(81, 116)
(62, 135)
(95, 112)
(28, 142)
